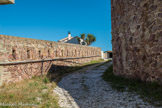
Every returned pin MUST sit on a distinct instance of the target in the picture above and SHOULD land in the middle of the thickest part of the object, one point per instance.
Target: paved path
(86, 89)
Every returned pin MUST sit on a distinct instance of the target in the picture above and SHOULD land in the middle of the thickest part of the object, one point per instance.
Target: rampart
(22, 58)
(137, 39)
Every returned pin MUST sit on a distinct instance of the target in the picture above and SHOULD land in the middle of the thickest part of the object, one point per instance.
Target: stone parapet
(37, 57)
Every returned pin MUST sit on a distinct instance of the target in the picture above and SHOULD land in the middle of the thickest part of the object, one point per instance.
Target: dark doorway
(111, 55)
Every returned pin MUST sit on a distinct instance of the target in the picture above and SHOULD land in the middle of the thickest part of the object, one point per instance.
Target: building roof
(79, 41)
(69, 37)
(64, 39)
(73, 40)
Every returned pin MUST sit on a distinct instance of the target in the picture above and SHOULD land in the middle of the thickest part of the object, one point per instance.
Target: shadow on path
(86, 89)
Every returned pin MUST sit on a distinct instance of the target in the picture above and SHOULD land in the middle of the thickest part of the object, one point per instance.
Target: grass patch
(104, 63)
(149, 92)
(64, 71)
(94, 62)
(36, 91)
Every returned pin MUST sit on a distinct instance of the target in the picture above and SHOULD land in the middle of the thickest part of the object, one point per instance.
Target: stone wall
(15, 49)
(137, 38)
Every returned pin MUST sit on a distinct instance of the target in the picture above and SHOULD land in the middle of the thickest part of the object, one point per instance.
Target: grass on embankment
(35, 91)
(62, 72)
(149, 92)
(104, 63)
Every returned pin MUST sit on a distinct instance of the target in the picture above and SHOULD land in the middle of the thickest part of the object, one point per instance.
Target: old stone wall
(137, 38)
(15, 49)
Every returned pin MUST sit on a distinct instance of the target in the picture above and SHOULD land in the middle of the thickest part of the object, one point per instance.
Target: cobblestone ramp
(86, 89)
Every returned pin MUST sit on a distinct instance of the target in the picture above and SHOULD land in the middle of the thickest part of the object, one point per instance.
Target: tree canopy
(89, 39)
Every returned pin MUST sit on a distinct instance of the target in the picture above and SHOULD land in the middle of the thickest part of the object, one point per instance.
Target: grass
(104, 63)
(94, 62)
(34, 92)
(62, 72)
(149, 92)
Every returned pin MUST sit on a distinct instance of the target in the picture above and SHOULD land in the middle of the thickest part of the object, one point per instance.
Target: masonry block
(137, 39)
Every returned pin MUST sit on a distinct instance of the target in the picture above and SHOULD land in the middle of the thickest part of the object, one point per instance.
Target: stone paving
(86, 89)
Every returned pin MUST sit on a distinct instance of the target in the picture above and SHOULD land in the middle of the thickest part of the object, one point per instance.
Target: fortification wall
(137, 39)
(16, 49)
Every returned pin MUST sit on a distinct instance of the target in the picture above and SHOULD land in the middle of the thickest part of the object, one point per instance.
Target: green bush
(46, 80)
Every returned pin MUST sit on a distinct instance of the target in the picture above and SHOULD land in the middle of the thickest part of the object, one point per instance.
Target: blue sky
(52, 19)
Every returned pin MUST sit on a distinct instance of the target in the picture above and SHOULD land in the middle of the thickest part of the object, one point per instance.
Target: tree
(83, 36)
(89, 39)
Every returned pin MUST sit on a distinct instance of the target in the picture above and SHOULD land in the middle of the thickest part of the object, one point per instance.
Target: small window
(75, 52)
(28, 54)
(39, 52)
(14, 54)
(49, 54)
(51, 44)
(67, 53)
(62, 53)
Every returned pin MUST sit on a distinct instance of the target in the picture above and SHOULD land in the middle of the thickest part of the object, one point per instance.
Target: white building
(73, 40)
(102, 54)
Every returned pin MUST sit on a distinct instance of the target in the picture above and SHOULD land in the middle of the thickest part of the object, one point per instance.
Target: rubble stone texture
(137, 38)
(23, 49)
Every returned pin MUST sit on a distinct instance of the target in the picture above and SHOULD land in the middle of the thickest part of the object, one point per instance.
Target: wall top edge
(12, 38)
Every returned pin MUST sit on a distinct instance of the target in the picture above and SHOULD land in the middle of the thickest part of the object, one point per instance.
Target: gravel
(86, 89)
